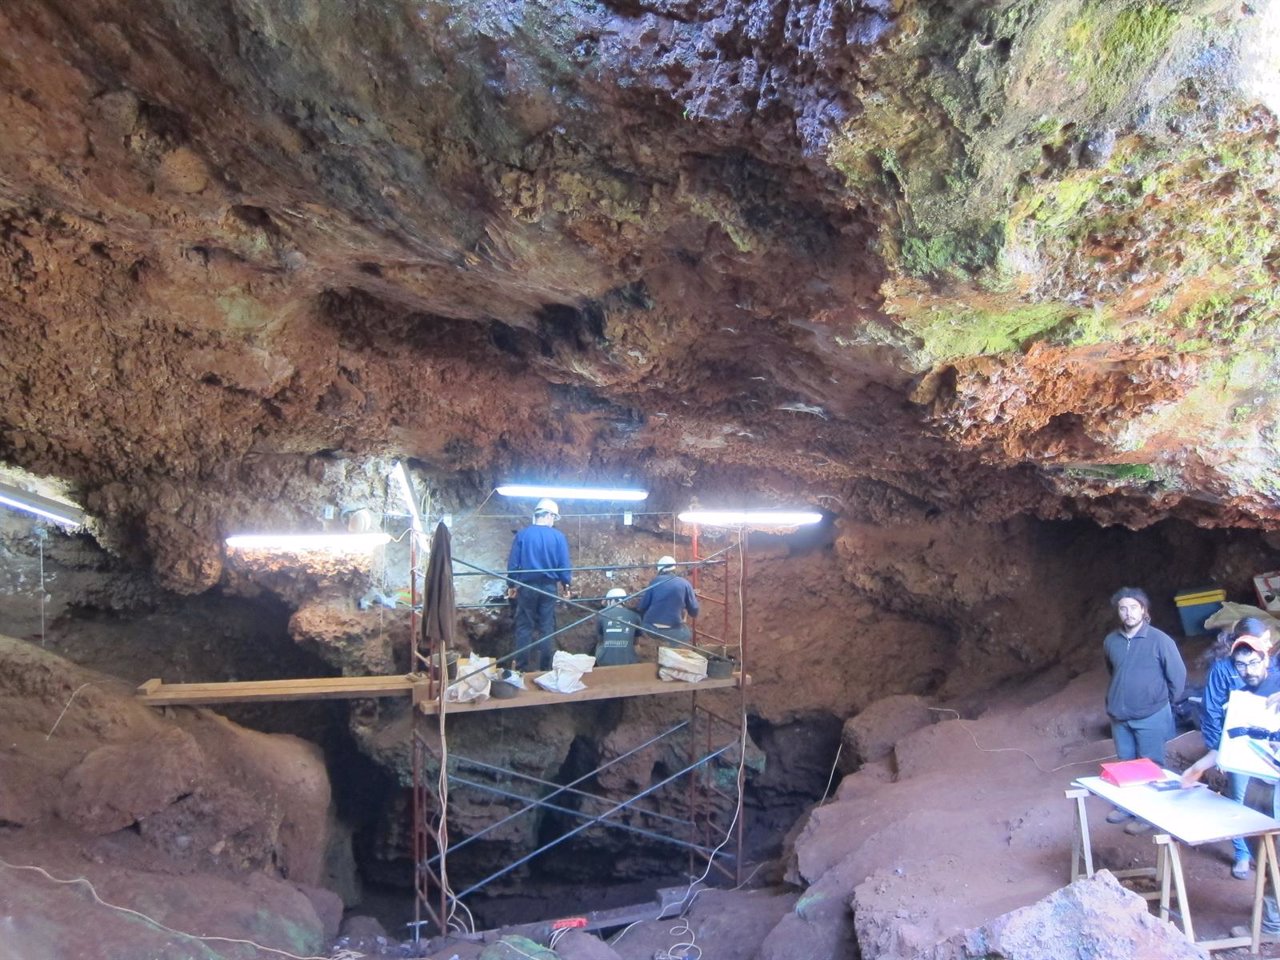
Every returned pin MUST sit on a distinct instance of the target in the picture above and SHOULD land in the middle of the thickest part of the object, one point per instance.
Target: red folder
(1127, 773)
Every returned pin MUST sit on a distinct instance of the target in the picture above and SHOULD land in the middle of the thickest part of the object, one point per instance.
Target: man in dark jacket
(539, 562)
(1147, 677)
(665, 601)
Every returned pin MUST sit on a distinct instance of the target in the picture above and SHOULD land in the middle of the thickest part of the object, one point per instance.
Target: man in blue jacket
(1249, 666)
(1147, 677)
(539, 563)
(665, 600)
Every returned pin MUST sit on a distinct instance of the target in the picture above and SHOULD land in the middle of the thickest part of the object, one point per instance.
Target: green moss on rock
(968, 332)
(1111, 45)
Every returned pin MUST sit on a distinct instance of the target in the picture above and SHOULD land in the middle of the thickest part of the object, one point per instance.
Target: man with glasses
(1249, 666)
(1147, 677)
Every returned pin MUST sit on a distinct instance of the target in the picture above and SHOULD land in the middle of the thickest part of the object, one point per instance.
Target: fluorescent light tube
(751, 518)
(43, 507)
(401, 473)
(570, 493)
(302, 542)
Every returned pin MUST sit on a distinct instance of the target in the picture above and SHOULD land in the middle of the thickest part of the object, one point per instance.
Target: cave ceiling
(873, 255)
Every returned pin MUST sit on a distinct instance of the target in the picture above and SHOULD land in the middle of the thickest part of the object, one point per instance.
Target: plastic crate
(1197, 606)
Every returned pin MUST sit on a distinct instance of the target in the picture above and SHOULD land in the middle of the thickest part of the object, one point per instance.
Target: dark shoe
(1240, 870)
(1137, 826)
(1119, 816)
(1267, 936)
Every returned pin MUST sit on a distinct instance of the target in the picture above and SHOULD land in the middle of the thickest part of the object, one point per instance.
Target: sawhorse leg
(1170, 868)
(1081, 846)
(1268, 869)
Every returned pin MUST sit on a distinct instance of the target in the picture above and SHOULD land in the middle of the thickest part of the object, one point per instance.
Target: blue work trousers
(1145, 737)
(536, 615)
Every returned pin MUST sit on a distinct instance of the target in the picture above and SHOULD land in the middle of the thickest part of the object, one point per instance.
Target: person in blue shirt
(539, 563)
(1249, 666)
(664, 602)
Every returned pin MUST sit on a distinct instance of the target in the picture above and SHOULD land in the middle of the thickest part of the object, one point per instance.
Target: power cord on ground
(65, 708)
(348, 955)
(1074, 763)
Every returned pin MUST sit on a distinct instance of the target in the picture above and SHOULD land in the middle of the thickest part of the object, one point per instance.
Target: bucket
(719, 668)
(501, 690)
(451, 663)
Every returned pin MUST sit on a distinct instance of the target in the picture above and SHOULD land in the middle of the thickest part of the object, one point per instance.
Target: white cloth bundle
(566, 672)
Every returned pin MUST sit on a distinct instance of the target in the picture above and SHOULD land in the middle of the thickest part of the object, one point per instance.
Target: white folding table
(1192, 816)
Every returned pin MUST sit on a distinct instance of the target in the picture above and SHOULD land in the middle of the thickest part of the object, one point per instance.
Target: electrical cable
(156, 923)
(831, 779)
(40, 541)
(66, 707)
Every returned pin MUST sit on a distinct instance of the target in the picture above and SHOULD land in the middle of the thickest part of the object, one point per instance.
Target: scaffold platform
(603, 683)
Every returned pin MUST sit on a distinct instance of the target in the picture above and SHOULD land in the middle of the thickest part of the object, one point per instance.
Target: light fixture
(304, 542)
(47, 509)
(570, 493)
(751, 518)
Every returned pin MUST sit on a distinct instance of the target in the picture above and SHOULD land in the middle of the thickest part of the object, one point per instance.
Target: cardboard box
(1197, 606)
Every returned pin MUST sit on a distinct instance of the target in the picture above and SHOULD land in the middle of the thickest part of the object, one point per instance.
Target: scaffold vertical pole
(694, 775)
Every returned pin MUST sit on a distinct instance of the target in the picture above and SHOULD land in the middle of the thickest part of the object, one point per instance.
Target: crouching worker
(1248, 667)
(616, 631)
(665, 601)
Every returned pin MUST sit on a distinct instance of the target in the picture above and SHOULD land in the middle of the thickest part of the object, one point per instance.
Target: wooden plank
(248, 691)
(603, 683)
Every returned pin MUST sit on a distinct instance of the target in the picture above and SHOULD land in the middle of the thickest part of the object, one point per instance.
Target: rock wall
(94, 784)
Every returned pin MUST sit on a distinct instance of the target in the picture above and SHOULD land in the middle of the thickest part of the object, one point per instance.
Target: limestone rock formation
(1092, 917)
(871, 734)
(241, 817)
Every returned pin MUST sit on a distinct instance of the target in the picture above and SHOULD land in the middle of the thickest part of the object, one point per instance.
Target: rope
(156, 923)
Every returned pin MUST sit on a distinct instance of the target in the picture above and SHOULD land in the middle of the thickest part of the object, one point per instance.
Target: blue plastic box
(1197, 606)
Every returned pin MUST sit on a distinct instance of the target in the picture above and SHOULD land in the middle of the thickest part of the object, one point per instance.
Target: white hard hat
(667, 561)
(547, 506)
(615, 592)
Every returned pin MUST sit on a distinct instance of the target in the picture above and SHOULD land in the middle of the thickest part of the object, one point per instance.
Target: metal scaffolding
(704, 738)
